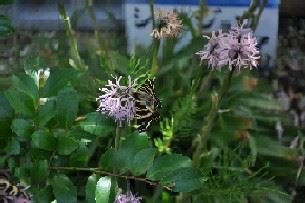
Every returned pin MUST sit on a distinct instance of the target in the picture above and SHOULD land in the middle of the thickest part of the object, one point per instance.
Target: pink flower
(127, 198)
(242, 48)
(214, 52)
(118, 100)
(237, 48)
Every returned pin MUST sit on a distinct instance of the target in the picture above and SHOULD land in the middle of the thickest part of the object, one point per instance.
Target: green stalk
(156, 42)
(72, 40)
(154, 66)
(258, 15)
(152, 11)
(201, 13)
(117, 138)
(210, 119)
(205, 84)
(102, 45)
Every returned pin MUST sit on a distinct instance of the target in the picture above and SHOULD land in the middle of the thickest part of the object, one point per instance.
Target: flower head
(118, 100)
(237, 48)
(167, 24)
(242, 48)
(214, 51)
(127, 198)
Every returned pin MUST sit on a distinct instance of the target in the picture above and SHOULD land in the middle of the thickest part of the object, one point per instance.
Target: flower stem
(116, 145)
(152, 11)
(117, 138)
(156, 42)
(201, 13)
(154, 66)
(79, 64)
(205, 84)
(210, 119)
(101, 44)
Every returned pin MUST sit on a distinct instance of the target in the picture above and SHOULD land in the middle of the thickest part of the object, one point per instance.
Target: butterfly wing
(146, 106)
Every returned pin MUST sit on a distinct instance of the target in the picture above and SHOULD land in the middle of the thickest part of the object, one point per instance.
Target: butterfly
(12, 191)
(147, 104)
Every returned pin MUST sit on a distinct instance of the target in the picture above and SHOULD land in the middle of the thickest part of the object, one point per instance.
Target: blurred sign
(222, 15)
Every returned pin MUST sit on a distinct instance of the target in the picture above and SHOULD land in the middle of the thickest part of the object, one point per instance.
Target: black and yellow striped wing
(147, 104)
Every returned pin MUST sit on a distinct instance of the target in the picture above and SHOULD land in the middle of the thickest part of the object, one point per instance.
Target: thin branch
(99, 171)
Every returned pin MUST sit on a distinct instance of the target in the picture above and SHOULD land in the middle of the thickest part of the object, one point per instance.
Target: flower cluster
(167, 24)
(118, 100)
(236, 48)
(127, 198)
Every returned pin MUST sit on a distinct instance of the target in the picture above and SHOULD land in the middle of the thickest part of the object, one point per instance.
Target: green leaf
(13, 147)
(63, 189)
(128, 150)
(79, 157)
(107, 160)
(259, 101)
(268, 147)
(142, 161)
(252, 145)
(46, 112)
(39, 172)
(90, 188)
(43, 139)
(5, 128)
(105, 190)
(186, 179)
(44, 195)
(164, 165)
(67, 107)
(66, 145)
(20, 102)
(6, 110)
(23, 129)
(24, 83)
(57, 80)
(6, 27)
(97, 124)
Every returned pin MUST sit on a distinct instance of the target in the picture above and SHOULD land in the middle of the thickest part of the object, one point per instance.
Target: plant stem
(73, 43)
(116, 144)
(210, 119)
(152, 11)
(99, 171)
(102, 44)
(154, 66)
(258, 15)
(117, 138)
(156, 42)
(206, 83)
(201, 13)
